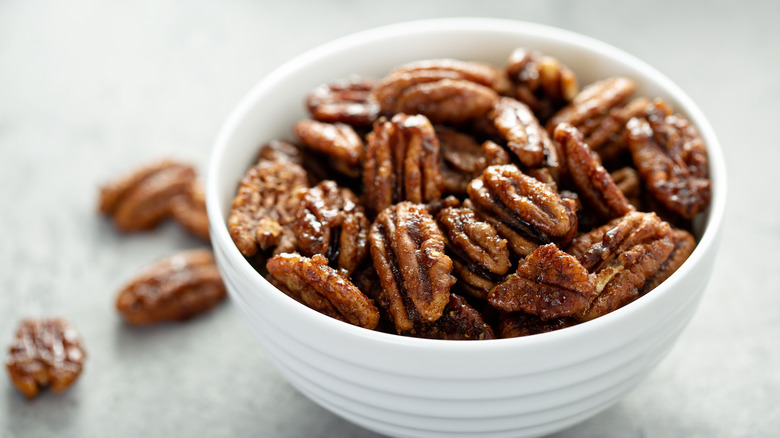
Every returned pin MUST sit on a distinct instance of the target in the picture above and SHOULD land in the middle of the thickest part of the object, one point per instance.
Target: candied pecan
(494, 154)
(627, 180)
(524, 135)
(329, 221)
(541, 82)
(593, 182)
(277, 150)
(548, 283)
(524, 210)
(175, 288)
(607, 135)
(189, 210)
(141, 199)
(459, 321)
(480, 255)
(462, 159)
(317, 285)
(517, 324)
(671, 158)
(338, 141)
(408, 253)
(684, 243)
(402, 163)
(347, 101)
(264, 207)
(46, 353)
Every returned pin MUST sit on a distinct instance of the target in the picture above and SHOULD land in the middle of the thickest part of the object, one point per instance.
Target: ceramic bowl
(403, 386)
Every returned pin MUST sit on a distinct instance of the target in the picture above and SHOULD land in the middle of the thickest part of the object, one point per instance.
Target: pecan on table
(402, 163)
(189, 210)
(348, 100)
(541, 82)
(330, 221)
(142, 199)
(45, 353)
(408, 251)
(593, 182)
(338, 142)
(525, 211)
(517, 324)
(461, 159)
(548, 283)
(175, 288)
(264, 207)
(459, 321)
(671, 158)
(524, 136)
(480, 256)
(322, 288)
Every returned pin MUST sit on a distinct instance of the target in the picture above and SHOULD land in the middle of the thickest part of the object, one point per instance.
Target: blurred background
(91, 89)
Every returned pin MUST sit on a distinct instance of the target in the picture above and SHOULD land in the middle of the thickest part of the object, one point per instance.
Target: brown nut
(517, 324)
(627, 180)
(264, 207)
(317, 285)
(175, 288)
(494, 154)
(684, 244)
(142, 199)
(459, 321)
(461, 159)
(329, 221)
(671, 158)
(548, 283)
(402, 163)
(45, 353)
(407, 249)
(541, 82)
(337, 141)
(347, 101)
(189, 210)
(524, 135)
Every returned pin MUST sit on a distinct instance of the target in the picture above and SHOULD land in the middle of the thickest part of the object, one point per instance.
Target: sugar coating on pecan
(408, 251)
(277, 150)
(684, 244)
(175, 288)
(495, 155)
(45, 353)
(459, 321)
(317, 285)
(402, 163)
(529, 212)
(347, 100)
(671, 158)
(330, 221)
(627, 180)
(335, 140)
(189, 210)
(548, 283)
(593, 182)
(517, 324)
(461, 159)
(141, 200)
(524, 136)
(264, 207)
(541, 82)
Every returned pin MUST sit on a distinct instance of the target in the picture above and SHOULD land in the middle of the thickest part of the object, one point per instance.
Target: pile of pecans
(459, 200)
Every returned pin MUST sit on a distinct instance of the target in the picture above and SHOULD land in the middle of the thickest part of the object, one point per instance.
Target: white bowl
(412, 387)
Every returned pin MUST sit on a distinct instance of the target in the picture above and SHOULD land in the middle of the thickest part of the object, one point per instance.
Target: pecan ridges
(524, 135)
(541, 82)
(347, 100)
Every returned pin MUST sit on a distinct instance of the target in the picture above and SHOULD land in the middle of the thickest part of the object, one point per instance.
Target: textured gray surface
(89, 89)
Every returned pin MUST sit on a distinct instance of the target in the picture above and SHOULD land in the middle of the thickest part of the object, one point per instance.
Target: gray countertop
(90, 89)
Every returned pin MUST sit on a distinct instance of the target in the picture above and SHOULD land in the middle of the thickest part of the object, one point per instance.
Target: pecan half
(329, 221)
(408, 253)
(541, 82)
(517, 324)
(317, 285)
(524, 210)
(189, 210)
(265, 205)
(684, 244)
(524, 135)
(548, 283)
(338, 141)
(627, 180)
(141, 200)
(461, 159)
(459, 321)
(277, 150)
(175, 288)
(593, 182)
(347, 101)
(494, 154)
(480, 255)
(402, 163)
(671, 158)
(45, 353)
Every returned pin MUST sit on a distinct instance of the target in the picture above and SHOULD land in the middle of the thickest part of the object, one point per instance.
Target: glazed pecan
(45, 353)
(671, 158)
(627, 180)
(480, 255)
(264, 207)
(175, 288)
(494, 154)
(402, 163)
(189, 210)
(337, 141)
(408, 253)
(276, 150)
(607, 135)
(317, 285)
(548, 283)
(541, 82)
(684, 244)
(524, 210)
(459, 321)
(593, 182)
(461, 159)
(142, 199)
(517, 324)
(524, 135)
(347, 101)
(329, 221)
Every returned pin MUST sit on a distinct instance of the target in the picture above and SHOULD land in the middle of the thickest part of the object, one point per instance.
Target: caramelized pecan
(402, 163)
(517, 324)
(172, 289)
(524, 135)
(461, 159)
(347, 101)
(684, 244)
(627, 180)
(329, 221)
(276, 150)
(189, 210)
(671, 158)
(494, 154)
(408, 253)
(337, 141)
(548, 283)
(45, 353)
(459, 321)
(541, 82)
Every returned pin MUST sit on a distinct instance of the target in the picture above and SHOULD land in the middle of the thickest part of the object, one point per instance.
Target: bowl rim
(709, 238)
